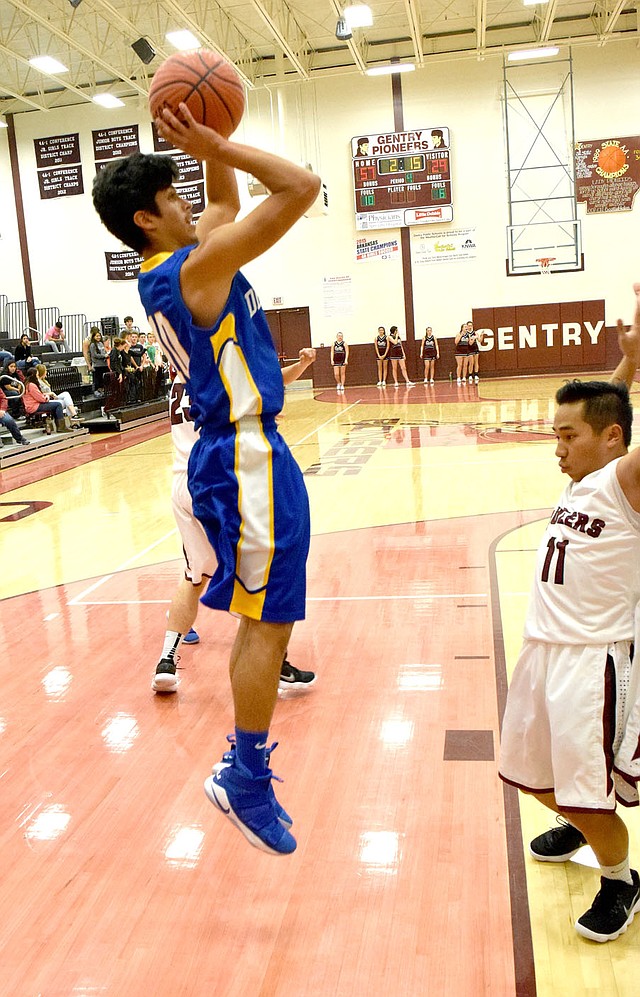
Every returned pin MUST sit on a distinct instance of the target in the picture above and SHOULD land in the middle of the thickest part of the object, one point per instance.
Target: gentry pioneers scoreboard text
(402, 178)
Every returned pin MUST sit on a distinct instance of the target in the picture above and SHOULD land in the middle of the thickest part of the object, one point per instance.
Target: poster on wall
(451, 246)
(59, 167)
(374, 249)
(402, 178)
(123, 265)
(115, 143)
(65, 181)
(337, 298)
(57, 150)
(608, 173)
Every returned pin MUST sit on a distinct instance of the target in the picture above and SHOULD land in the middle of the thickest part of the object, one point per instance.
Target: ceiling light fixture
(182, 40)
(358, 15)
(533, 53)
(47, 64)
(394, 67)
(75, 3)
(107, 100)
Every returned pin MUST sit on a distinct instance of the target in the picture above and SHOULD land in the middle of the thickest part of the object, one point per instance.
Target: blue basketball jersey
(231, 368)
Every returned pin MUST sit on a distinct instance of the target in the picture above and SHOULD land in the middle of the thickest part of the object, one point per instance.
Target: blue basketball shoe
(229, 758)
(248, 804)
(191, 638)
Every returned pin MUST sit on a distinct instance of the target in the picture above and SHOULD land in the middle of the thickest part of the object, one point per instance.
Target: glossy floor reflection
(120, 879)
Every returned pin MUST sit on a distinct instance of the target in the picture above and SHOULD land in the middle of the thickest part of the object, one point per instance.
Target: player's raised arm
(629, 342)
(294, 370)
(226, 248)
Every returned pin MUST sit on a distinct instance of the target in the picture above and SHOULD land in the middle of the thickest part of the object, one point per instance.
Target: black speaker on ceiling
(144, 50)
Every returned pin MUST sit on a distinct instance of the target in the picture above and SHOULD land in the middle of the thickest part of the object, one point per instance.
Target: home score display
(402, 178)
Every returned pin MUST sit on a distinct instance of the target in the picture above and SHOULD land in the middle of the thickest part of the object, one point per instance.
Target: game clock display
(402, 178)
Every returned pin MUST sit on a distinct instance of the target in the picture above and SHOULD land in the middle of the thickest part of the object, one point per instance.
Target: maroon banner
(608, 173)
(194, 193)
(190, 168)
(124, 265)
(113, 143)
(62, 182)
(57, 150)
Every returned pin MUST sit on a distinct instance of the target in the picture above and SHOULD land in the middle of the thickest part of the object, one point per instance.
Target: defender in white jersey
(199, 556)
(571, 729)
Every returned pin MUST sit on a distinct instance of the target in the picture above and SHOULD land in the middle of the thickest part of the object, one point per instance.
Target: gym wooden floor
(412, 875)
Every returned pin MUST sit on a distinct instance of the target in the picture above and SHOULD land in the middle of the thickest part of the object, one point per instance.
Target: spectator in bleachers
(23, 355)
(12, 383)
(127, 327)
(86, 342)
(153, 350)
(4, 356)
(136, 349)
(98, 356)
(7, 420)
(55, 337)
(62, 396)
(35, 401)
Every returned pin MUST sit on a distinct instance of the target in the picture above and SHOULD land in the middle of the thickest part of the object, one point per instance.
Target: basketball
(611, 159)
(206, 83)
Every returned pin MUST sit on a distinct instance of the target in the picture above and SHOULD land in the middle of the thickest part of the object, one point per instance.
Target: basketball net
(545, 264)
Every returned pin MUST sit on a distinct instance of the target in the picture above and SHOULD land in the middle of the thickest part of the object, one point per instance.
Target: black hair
(31, 376)
(130, 185)
(58, 324)
(606, 403)
(393, 328)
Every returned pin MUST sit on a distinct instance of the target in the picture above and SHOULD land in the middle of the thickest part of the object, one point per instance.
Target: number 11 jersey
(587, 580)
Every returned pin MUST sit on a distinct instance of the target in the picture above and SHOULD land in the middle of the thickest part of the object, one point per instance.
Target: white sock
(620, 871)
(171, 640)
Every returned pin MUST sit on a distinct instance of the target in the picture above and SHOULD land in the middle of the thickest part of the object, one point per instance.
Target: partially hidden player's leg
(241, 786)
(182, 616)
(618, 899)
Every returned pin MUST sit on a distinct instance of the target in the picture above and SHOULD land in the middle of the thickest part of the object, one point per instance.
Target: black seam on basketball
(221, 100)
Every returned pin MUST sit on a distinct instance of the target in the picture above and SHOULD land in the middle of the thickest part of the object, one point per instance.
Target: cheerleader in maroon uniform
(430, 352)
(396, 355)
(381, 343)
(462, 352)
(339, 360)
(476, 340)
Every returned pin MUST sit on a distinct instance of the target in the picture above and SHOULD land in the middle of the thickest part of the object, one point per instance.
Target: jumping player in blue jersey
(247, 490)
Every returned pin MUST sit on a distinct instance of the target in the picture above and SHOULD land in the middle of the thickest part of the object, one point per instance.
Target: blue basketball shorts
(249, 494)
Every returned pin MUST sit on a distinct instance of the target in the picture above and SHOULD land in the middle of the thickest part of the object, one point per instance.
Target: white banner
(453, 246)
(370, 249)
(336, 296)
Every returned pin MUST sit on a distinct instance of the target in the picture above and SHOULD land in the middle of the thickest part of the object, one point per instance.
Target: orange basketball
(208, 85)
(611, 159)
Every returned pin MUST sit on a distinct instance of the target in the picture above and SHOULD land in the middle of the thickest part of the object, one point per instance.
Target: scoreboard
(402, 178)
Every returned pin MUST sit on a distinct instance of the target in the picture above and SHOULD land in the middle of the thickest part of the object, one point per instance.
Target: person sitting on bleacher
(35, 401)
(9, 422)
(4, 356)
(62, 396)
(12, 383)
(55, 337)
(23, 356)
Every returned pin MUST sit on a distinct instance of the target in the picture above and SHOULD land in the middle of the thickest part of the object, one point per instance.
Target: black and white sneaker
(612, 911)
(165, 678)
(294, 678)
(558, 844)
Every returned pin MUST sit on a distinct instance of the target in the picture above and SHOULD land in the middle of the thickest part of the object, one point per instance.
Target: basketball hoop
(544, 262)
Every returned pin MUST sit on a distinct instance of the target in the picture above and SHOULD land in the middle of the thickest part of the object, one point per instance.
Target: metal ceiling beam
(415, 28)
(481, 25)
(356, 49)
(547, 20)
(614, 14)
(49, 26)
(198, 29)
(278, 17)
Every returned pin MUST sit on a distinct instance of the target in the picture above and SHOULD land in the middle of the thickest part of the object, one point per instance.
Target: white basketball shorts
(200, 559)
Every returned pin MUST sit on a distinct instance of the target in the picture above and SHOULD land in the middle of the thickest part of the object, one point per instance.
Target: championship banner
(65, 181)
(190, 168)
(115, 143)
(451, 246)
(194, 193)
(373, 249)
(57, 150)
(608, 173)
(124, 265)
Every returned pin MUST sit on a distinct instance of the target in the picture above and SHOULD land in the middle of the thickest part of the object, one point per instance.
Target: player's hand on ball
(187, 134)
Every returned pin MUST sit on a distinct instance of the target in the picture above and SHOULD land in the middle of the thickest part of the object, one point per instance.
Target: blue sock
(251, 750)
